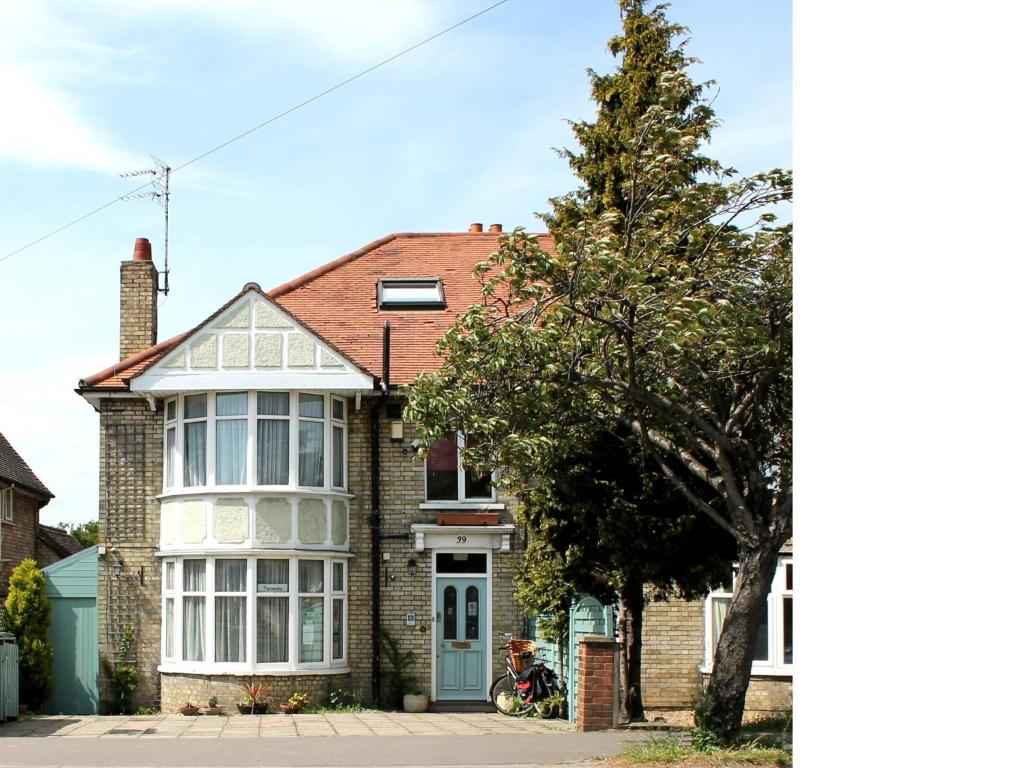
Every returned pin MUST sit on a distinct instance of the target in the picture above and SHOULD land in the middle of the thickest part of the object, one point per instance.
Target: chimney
(476, 227)
(138, 300)
(496, 228)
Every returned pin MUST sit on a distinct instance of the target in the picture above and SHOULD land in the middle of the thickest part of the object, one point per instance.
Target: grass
(668, 750)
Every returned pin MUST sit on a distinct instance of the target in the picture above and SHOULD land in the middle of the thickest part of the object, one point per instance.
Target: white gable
(251, 344)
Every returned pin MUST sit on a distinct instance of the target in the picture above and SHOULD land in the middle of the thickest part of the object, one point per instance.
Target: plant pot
(260, 708)
(415, 702)
(22, 709)
(189, 711)
(467, 518)
(288, 709)
(211, 710)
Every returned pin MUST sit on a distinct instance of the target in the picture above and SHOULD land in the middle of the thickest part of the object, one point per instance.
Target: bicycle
(510, 700)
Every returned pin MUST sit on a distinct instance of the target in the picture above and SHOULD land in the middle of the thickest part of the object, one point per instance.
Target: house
(22, 495)
(262, 512)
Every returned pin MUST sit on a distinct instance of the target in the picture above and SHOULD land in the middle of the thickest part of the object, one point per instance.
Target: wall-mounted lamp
(411, 566)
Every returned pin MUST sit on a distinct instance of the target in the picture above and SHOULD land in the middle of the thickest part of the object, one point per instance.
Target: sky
(460, 130)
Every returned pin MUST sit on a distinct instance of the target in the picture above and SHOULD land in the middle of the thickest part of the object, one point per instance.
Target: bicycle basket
(520, 650)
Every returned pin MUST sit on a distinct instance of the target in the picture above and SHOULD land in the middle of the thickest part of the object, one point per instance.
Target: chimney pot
(476, 227)
(143, 250)
(494, 228)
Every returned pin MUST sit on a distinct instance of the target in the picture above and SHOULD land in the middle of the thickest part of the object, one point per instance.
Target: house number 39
(460, 539)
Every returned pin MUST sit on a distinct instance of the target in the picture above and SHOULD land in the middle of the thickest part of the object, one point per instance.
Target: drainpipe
(375, 553)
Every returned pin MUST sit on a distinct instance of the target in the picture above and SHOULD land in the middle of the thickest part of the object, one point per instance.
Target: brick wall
(138, 306)
(179, 689)
(595, 698)
(19, 537)
(129, 586)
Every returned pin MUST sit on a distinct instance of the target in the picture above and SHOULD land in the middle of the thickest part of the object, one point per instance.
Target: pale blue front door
(461, 633)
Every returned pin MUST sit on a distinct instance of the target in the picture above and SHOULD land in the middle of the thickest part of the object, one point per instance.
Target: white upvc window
(773, 643)
(249, 613)
(255, 439)
(7, 505)
(446, 479)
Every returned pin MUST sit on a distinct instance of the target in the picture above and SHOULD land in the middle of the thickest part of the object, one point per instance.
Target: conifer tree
(28, 617)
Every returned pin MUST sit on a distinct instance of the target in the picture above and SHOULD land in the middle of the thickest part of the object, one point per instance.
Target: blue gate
(587, 616)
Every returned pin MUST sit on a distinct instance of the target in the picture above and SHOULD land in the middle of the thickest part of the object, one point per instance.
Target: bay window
(285, 608)
(238, 440)
(448, 480)
(773, 642)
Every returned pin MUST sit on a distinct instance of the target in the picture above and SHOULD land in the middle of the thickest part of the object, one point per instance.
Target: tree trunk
(730, 676)
(631, 621)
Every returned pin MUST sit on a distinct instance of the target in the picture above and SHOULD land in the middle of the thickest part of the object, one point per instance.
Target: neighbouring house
(22, 495)
(680, 636)
(263, 514)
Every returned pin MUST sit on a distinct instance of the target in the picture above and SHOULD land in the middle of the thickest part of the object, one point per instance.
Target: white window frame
(775, 664)
(323, 421)
(460, 444)
(173, 662)
(7, 504)
(177, 451)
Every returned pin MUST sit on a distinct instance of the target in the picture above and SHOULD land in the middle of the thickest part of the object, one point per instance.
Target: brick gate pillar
(597, 692)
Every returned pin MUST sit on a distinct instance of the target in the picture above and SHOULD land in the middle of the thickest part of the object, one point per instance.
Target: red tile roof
(338, 302)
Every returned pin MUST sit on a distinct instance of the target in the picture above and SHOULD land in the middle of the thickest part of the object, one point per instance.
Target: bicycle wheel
(506, 699)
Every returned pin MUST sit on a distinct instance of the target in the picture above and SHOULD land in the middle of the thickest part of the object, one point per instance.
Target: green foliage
(87, 533)
(144, 710)
(299, 700)
(400, 663)
(28, 618)
(707, 725)
(122, 674)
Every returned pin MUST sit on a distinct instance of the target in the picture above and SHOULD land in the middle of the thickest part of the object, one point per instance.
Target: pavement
(336, 739)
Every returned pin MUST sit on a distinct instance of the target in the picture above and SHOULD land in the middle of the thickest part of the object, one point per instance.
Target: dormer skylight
(410, 293)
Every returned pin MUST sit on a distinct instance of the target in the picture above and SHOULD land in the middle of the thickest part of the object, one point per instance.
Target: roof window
(410, 293)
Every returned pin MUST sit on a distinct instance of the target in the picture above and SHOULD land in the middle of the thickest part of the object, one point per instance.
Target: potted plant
(255, 700)
(295, 704)
(189, 710)
(401, 687)
(211, 708)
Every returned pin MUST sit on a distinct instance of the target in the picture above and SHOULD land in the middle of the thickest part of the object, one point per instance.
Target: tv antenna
(161, 194)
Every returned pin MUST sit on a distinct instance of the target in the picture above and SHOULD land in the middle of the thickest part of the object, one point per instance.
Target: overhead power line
(265, 123)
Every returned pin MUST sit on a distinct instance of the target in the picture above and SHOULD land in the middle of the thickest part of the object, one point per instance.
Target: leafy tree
(86, 534)
(603, 525)
(28, 618)
(664, 309)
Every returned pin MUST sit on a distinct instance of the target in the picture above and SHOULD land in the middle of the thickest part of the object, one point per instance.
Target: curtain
(271, 629)
(311, 453)
(338, 456)
(169, 457)
(271, 572)
(311, 645)
(229, 576)
(311, 575)
(193, 577)
(311, 406)
(169, 627)
(231, 442)
(443, 471)
(272, 452)
(337, 636)
(195, 453)
(229, 628)
(194, 626)
(719, 605)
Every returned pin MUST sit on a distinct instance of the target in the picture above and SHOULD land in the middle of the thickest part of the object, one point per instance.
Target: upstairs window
(410, 293)
(448, 480)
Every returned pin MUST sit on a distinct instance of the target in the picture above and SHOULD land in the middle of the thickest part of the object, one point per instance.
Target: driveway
(349, 739)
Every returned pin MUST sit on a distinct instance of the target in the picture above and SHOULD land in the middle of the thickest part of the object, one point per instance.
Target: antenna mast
(161, 194)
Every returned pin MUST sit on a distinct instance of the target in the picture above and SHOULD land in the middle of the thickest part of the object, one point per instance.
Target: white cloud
(52, 56)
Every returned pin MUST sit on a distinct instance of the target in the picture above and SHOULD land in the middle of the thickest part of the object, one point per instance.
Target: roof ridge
(323, 269)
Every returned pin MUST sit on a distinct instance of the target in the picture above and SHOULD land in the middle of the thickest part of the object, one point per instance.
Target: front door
(461, 632)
